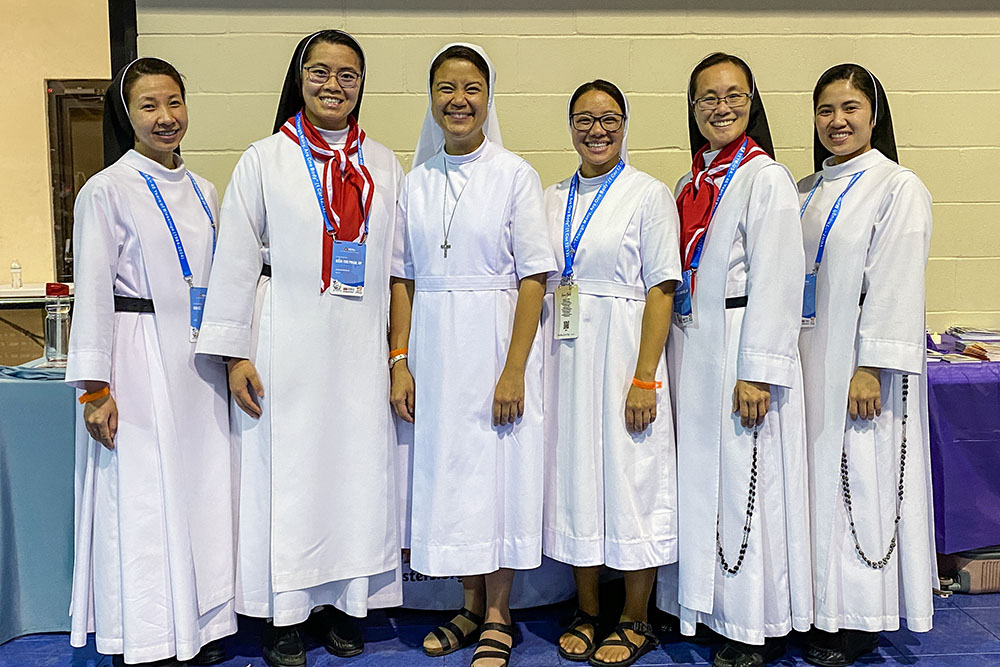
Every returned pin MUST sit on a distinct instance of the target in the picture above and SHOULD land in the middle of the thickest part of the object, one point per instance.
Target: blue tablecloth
(964, 405)
(36, 505)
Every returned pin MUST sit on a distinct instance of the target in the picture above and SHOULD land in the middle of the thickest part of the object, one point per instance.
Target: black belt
(736, 302)
(128, 304)
(861, 301)
(265, 270)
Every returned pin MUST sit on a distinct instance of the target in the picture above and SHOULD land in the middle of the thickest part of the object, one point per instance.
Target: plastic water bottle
(15, 275)
(57, 305)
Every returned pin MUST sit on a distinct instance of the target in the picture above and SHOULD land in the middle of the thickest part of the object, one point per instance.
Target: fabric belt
(128, 304)
(603, 288)
(265, 270)
(464, 283)
(861, 301)
(736, 302)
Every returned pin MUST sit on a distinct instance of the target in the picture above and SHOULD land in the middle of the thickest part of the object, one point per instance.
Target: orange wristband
(402, 350)
(94, 395)
(656, 384)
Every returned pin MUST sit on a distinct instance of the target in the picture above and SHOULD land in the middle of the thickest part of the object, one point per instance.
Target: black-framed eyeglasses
(732, 100)
(611, 122)
(346, 78)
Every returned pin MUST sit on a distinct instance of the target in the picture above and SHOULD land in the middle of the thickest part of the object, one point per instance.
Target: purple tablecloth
(964, 407)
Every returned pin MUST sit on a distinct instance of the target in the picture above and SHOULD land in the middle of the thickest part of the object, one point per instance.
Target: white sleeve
(659, 245)
(533, 251)
(96, 250)
(768, 349)
(891, 329)
(402, 261)
(225, 328)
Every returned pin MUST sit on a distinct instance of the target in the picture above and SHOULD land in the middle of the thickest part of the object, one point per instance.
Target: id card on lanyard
(347, 270)
(567, 294)
(809, 291)
(683, 304)
(196, 295)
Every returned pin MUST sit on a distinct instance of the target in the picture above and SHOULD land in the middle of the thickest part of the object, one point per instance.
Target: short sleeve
(533, 251)
(659, 245)
(402, 260)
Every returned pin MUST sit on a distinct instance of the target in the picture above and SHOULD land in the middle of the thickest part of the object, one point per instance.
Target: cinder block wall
(938, 63)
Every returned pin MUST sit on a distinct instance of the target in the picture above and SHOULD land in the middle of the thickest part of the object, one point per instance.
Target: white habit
(752, 249)
(477, 488)
(610, 495)
(153, 561)
(317, 519)
(878, 247)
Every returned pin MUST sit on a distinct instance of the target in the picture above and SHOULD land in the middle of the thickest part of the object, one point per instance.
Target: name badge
(809, 301)
(347, 273)
(567, 303)
(683, 313)
(197, 298)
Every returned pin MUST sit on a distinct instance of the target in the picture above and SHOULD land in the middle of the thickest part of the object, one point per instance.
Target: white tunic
(751, 248)
(317, 522)
(153, 565)
(477, 488)
(878, 247)
(610, 495)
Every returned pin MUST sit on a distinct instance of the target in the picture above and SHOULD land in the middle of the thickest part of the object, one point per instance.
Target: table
(36, 505)
(964, 407)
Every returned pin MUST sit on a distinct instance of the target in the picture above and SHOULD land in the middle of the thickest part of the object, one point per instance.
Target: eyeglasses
(319, 75)
(732, 100)
(611, 122)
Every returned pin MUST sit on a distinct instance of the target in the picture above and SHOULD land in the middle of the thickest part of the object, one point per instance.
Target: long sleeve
(96, 250)
(225, 329)
(891, 329)
(533, 251)
(775, 276)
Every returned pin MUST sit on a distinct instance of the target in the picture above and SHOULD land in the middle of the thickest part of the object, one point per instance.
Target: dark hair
(459, 52)
(603, 86)
(856, 75)
(717, 59)
(332, 37)
(146, 66)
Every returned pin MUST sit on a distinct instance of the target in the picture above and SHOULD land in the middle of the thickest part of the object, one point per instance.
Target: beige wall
(54, 39)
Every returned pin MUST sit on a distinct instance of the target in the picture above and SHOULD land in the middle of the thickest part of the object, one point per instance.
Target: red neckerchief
(694, 204)
(348, 190)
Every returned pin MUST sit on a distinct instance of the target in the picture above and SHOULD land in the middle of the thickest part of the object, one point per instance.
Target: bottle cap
(56, 289)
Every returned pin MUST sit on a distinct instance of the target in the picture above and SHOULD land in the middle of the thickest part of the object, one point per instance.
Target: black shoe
(118, 660)
(737, 654)
(211, 653)
(283, 646)
(338, 632)
(839, 649)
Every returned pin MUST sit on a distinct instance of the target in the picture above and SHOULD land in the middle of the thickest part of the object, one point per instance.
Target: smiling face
(844, 121)
(327, 105)
(597, 147)
(722, 125)
(159, 116)
(459, 102)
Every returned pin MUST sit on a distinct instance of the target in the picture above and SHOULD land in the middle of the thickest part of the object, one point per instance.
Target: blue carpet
(966, 634)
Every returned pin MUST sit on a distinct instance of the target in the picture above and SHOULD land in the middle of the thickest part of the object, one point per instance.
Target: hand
(752, 400)
(864, 398)
(245, 384)
(508, 398)
(101, 418)
(403, 392)
(640, 408)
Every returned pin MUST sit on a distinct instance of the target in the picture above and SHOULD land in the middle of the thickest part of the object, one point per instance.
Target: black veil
(883, 137)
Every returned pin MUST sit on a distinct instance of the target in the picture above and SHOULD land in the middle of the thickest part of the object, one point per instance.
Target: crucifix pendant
(445, 247)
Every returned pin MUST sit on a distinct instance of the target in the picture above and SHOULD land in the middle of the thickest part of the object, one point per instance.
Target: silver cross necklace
(446, 220)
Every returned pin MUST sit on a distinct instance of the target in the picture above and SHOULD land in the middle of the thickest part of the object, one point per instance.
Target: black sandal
(839, 649)
(461, 639)
(493, 648)
(581, 617)
(635, 651)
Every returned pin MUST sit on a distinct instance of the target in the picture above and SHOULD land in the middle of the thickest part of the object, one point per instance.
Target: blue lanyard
(570, 247)
(733, 166)
(317, 185)
(834, 212)
(181, 255)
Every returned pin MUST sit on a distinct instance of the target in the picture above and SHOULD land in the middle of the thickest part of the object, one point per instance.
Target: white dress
(877, 247)
(752, 249)
(317, 519)
(477, 488)
(610, 495)
(153, 556)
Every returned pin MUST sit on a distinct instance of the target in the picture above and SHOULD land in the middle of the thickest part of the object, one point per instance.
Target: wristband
(396, 353)
(94, 395)
(395, 358)
(656, 384)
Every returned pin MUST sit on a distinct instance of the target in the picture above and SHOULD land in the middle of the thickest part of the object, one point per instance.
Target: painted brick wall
(939, 66)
